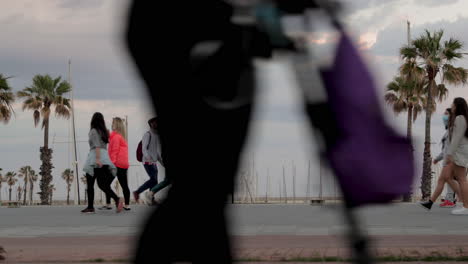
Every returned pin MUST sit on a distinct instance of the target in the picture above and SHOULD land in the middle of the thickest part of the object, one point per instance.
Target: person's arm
(114, 148)
(94, 143)
(144, 145)
(98, 157)
(458, 133)
(439, 157)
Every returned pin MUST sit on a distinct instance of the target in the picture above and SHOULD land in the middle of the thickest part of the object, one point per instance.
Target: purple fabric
(372, 163)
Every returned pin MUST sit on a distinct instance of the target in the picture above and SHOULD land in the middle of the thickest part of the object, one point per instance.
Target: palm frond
(440, 92)
(5, 113)
(397, 102)
(22, 94)
(32, 103)
(37, 117)
(396, 85)
(453, 75)
(62, 111)
(408, 52)
(56, 82)
(417, 109)
(452, 49)
(62, 88)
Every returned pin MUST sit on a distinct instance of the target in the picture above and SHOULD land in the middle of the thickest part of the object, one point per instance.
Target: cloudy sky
(39, 37)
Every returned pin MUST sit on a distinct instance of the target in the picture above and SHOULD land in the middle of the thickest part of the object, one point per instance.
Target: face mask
(445, 118)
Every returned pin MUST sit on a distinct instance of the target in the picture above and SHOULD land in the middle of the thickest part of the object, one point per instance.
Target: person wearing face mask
(449, 201)
(456, 158)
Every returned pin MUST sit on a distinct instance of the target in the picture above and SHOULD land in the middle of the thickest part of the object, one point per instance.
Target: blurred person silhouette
(199, 71)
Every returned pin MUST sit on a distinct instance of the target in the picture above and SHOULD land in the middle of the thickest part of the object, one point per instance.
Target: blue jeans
(152, 171)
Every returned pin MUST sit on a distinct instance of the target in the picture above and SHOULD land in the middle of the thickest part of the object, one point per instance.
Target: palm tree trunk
(426, 180)
(409, 128)
(46, 167)
(68, 195)
(410, 124)
(25, 187)
(31, 188)
(9, 195)
(46, 133)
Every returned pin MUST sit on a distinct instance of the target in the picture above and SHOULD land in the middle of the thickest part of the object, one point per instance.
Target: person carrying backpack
(149, 153)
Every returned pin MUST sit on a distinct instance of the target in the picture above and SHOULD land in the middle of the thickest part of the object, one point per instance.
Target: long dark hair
(97, 122)
(461, 108)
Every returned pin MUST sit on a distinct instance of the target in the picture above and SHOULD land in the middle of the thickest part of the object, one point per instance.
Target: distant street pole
(409, 32)
(284, 186)
(294, 181)
(75, 160)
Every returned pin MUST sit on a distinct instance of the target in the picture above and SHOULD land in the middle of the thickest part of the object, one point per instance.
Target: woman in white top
(456, 158)
(457, 152)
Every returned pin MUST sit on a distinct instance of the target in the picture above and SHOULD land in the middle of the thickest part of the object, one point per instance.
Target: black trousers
(104, 180)
(122, 177)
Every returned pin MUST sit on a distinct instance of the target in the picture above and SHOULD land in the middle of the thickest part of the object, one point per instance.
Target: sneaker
(105, 207)
(120, 205)
(427, 205)
(136, 196)
(447, 204)
(460, 211)
(88, 211)
(126, 208)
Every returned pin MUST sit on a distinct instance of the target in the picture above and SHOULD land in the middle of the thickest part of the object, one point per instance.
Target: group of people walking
(105, 163)
(108, 158)
(454, 157)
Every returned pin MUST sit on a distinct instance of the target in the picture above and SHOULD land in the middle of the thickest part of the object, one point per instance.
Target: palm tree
(40, 97)
(2, 180)
(26, 173)
(6, 99)
(85, 183)
(10, 180)
(32, 179)
(52, 189)
(19, 192)
(406, 96)
(67, 175)
(434, 57)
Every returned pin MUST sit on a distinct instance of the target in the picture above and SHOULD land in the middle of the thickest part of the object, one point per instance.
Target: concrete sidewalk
(245, 248)
(260, 232)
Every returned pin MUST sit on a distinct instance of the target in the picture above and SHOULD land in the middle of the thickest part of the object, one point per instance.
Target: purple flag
(372, 162)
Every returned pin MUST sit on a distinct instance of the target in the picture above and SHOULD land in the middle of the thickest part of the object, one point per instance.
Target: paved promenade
(260, 233)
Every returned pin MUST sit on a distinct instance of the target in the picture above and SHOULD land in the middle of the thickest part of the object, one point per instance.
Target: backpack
(139, 151)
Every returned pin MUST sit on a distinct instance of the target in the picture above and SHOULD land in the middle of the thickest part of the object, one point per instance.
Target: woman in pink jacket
(118, 153)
